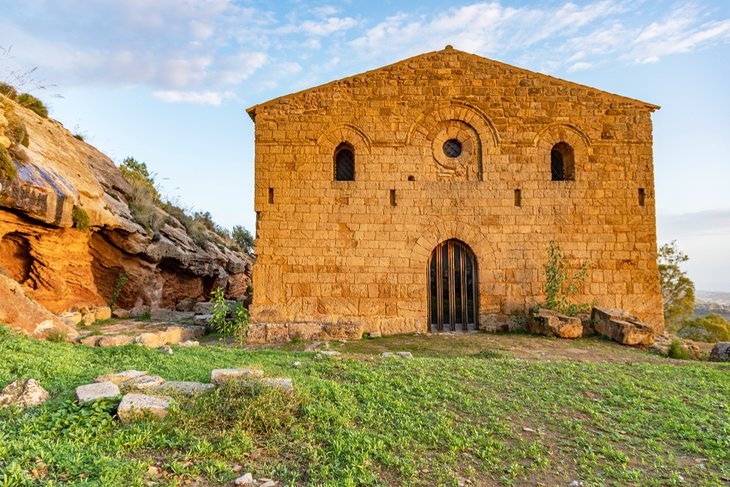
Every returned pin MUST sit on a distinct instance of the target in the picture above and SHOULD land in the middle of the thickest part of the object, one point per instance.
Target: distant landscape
(712, 302)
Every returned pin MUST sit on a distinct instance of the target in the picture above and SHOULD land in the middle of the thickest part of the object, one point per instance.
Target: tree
(243, 238)
(678, 290)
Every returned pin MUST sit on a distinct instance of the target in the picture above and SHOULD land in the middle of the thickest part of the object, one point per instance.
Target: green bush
(243, 238)
(7, 166)
(80, 218)
(237, 326)
(710, 329)
(34, 104)
(678, 351)
(122, 279)
(8, 90)
(561, 285)
(144, 198)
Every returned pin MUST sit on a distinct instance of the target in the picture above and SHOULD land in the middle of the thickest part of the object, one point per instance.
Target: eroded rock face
(621, 326)
(720, 352)
(60, 266)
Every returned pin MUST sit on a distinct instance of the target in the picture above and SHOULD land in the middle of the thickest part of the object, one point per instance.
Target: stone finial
(448, 47)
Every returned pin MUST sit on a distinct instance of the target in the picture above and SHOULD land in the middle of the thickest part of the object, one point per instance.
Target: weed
(679, 351)
(79, 137)
(56, 336)
(561, 286)
(237, 326)
(121, 281)
(80, 218)
(7, 166)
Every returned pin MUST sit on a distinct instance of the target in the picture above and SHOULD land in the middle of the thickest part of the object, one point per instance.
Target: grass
(484, 417)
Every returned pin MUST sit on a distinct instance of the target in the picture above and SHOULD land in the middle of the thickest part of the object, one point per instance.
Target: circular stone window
(452, 148)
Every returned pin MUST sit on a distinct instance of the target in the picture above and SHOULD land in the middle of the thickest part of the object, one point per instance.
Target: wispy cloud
(202, 98)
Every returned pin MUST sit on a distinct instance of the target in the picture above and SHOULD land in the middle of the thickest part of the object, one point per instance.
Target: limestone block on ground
(330, 353)
(99, 390)
(88, 319)
(553, 324)
(720, 352)
(621, 326)
(142, 383)
(219, 376)
(177, 334)
(190, 343)
(149, 340)
(166, 349)
(136, 406)
(120, 377)
(114, 340)
(183, 387)
(244, 480)
(102, 312)
(122, 314)
(71, 318)
(407, 355)
(387, 354)
(23, 393)
(171, 315)
(204, 308)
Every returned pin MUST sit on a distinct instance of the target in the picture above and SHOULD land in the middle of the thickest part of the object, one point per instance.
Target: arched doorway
(452, 288)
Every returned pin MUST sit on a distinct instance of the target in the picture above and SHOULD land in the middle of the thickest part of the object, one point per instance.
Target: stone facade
(357, 253)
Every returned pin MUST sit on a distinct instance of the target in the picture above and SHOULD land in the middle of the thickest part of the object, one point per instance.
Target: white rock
(404, 354)
(330, 353)
(121, 376)
(23, 393)
(246, 479)
(143, 382)
(387, 354)
(99, 390)
(134, 406)
(190, 343)
(166, 349)
(219, 376)
(283, 383)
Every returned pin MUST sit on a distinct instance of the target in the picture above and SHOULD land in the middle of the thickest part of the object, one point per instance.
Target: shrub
(8, 90)
(243, 238)
(34, 104)
(678, 351)
(678, 290)
(237, 326)
(79, 137)
(80, 218)
(561, 285)
(7, 166)
(710, 329)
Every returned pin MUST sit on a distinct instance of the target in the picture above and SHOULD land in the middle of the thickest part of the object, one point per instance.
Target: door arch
(452, 288)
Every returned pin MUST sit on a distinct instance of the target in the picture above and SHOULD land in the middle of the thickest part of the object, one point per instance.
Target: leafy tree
(711, 328)
(243, 238)
(678, 290)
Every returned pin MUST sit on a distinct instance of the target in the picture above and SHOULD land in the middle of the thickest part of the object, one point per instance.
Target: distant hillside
(713, 297)
(712, 302)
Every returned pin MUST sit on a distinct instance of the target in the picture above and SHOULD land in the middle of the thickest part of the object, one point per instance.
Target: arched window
(344, 162)
(562, 162)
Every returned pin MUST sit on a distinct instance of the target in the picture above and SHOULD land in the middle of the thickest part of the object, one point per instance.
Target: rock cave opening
(15, 257)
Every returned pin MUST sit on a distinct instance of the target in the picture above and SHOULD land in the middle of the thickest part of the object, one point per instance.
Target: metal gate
(452, 288)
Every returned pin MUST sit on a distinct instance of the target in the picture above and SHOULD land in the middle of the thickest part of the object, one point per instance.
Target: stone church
(423, 197)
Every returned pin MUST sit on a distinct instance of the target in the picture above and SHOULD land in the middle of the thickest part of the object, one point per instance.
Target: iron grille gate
(452, 279)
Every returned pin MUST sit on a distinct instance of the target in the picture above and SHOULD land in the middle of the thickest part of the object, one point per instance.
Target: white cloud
(328, 26)
(200, 98)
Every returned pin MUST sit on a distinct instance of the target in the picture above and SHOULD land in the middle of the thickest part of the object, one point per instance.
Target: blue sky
(168, 81)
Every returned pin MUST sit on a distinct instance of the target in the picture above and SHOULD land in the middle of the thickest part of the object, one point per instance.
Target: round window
(452, 148)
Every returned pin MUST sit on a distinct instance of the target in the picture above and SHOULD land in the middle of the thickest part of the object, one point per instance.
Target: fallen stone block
(183, 387)
(137, 406)
(720, 352)
(90, 341)
(99, 390)
(120, 377)
(244, 480)
(553, 324)
(387, 355)
(190, 343)
(23, 393)
(71, 318)
(621, 326)
(330, 353)
(122, 314)
(406, 355)
(202, 320)
(219, 376)
(149, 340)
(142, 383)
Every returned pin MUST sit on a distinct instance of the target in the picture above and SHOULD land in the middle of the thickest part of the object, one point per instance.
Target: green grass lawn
(486, 418)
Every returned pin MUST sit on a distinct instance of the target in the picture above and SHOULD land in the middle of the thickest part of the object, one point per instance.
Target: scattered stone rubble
(720, 352)
(247, 480)
(150, 395)
(171, 335)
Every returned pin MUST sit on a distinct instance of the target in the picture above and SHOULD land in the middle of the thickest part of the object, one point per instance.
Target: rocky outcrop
(720, 352)
(621, 326)
(23, 393)
(61, 266)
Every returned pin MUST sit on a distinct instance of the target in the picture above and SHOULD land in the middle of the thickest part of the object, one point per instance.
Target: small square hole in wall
(411, 178)
(392, 197)
(271, 196)
(518, 197)
(642, 197)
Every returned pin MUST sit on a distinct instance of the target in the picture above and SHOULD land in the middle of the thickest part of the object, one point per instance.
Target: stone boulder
(23, 393)
(102, 313)
(184, 388)
(137, 406)
(98, 390)
(621, 326)
(121, 377)
(142, 383)
(553, 324)
(720, 352)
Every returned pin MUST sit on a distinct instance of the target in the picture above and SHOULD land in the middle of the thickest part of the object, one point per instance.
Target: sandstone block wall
(357, 252)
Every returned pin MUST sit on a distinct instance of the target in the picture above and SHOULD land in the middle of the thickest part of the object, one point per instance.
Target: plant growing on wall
(122, 279)
(562, 284)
